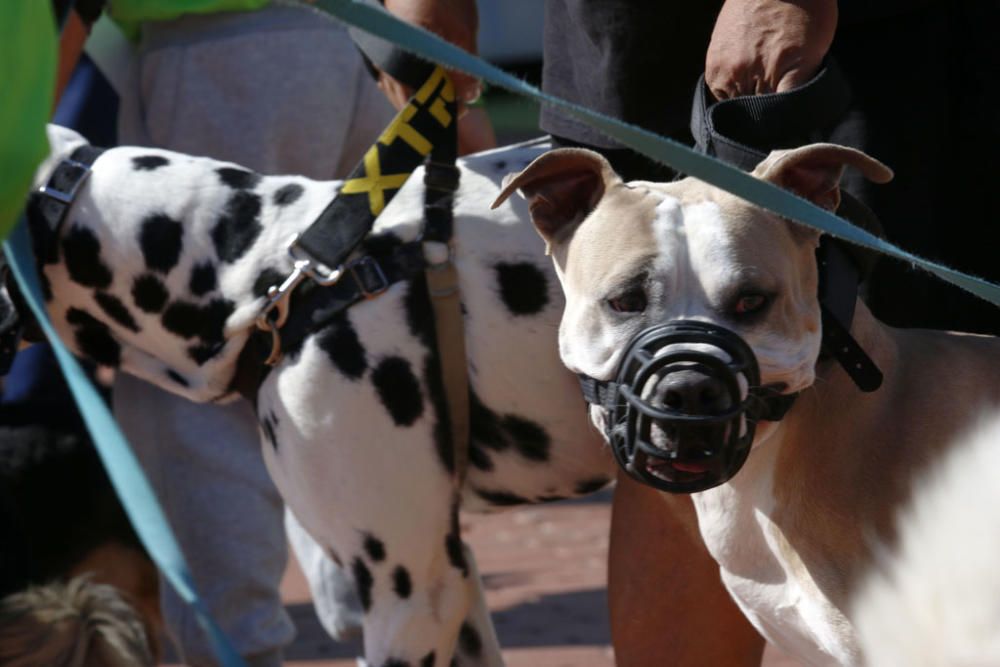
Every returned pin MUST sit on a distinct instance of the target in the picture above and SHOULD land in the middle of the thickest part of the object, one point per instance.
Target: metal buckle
(370, 264)
(278, 296)
(66, 197)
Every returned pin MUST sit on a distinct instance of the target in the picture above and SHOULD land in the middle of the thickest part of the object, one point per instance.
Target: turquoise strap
(661, 149)
(123, 469)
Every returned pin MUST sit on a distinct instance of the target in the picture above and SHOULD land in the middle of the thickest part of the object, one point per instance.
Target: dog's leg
(351, 446)
(477, 640)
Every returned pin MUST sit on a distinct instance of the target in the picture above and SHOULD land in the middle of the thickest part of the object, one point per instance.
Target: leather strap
(441, 178)
(49, 205)
(449, 329)
(741, 131)
(423, 123)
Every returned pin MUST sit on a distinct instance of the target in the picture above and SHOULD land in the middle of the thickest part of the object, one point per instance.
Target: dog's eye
(748, 304)
(631, 301)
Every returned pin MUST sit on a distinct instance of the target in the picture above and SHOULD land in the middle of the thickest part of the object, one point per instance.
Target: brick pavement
(544, 570)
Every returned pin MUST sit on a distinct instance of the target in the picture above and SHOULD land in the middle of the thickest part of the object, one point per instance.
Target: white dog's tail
(62, 142)
(936, 599)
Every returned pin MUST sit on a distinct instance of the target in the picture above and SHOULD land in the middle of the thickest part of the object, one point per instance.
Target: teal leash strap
(661, 149)
(123, 469)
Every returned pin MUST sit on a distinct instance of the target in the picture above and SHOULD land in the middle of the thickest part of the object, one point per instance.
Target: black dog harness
(329, 274)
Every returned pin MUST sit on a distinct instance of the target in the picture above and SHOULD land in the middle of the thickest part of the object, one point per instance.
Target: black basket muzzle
(679, 419)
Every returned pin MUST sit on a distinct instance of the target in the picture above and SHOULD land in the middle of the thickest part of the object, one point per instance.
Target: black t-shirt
(639, 60)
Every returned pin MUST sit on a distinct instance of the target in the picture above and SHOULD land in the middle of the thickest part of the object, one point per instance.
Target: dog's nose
(693, 393)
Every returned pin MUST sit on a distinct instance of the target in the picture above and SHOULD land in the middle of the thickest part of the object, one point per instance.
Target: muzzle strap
(601, 394)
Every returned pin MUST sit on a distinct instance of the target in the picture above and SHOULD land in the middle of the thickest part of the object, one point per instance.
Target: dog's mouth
(679, 472)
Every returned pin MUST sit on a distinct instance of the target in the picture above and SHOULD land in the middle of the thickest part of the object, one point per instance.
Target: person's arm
(71, 40)
(667, 603)
(457, 21)
(768, 46)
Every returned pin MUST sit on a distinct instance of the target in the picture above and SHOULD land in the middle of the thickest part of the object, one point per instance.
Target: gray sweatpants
(279, 90)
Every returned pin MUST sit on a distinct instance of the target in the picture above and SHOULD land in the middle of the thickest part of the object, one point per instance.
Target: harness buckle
(82, 171)
(274, 314)
(368, 266)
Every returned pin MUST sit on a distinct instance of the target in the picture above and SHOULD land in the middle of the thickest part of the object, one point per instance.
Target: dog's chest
(763, 572)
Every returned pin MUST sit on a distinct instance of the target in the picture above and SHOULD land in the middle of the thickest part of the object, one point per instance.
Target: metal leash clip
(274, 314)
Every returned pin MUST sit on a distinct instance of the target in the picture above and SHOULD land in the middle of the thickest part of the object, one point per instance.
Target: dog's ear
(814, 171)
(562, 187)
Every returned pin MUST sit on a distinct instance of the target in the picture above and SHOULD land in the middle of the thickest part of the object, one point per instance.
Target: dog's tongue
(691, 467)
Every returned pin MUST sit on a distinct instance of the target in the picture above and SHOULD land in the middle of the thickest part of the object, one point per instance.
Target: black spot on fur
(149, 162)
(500, 165)
(160, 239)
(428, 660)
(149, 293)
(501, 498)
(216, 313)
(265, 279)
(204, 352)
(374, 548)
(116, 310)
(98, 344)
(82, 251)
(182, 318)
(238, 179)
(363, 582)
(267, 425)
(341, 343)
(530, 439)
(485, 425)
(469, 641)
(500, 432)
(479, 459)
(420, 321)
(94, 339)
(177, 377)
(401, 582)
(288, 194)
(591, 485)
(203, 279)
(453, 544)
(395, 662)
(238, 227)
(188, 320)
(81, 318)
(399, 390)
(523, 287)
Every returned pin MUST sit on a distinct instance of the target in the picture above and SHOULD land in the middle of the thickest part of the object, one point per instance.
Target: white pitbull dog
(796, 530)
(159, 267)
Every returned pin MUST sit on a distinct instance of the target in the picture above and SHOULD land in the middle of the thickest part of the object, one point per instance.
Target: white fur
(935, 599)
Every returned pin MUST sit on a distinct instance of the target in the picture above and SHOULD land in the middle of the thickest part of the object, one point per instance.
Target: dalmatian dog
(699, 314)
(163, 262)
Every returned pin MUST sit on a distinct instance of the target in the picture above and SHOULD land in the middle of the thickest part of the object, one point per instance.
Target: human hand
(768, 46)
(455, 21)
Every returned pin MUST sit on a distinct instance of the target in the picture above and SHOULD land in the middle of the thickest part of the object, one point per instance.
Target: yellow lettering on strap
(400, 127)
(431, 83)
(374, 182)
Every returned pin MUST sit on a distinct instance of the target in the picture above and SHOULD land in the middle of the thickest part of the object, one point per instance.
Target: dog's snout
(693, 393)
